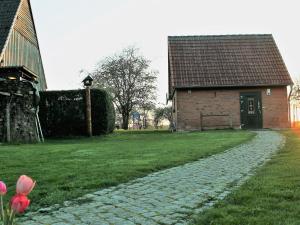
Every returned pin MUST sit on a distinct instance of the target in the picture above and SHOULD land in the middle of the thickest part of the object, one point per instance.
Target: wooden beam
(8, 134)
(88, 111)
(201, 121)
(4, 93)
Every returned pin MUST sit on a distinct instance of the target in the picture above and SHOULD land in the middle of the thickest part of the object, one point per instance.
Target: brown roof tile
(225, 61)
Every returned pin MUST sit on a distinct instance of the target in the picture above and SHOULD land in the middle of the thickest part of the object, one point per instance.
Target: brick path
(170, 196)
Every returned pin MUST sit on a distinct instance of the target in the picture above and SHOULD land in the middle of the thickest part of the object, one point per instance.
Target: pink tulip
(3, 189)
(25, 185)
(19, 203)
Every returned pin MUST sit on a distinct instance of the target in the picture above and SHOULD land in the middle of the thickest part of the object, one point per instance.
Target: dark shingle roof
(225, 61)
(8, 10)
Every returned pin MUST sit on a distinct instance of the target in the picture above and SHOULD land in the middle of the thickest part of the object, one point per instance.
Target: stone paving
(171, 196)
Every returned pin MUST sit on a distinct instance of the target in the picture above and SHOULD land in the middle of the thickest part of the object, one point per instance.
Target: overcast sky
(76, 34)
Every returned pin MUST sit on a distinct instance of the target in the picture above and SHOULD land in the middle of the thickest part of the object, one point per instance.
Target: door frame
(258, 95)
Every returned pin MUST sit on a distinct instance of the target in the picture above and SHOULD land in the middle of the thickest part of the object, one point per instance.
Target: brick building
(237, 81)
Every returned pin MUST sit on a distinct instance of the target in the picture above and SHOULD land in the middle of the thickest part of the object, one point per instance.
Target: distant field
(66, 169)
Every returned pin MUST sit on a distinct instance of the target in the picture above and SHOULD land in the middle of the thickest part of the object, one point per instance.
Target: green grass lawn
(66, 169)
(271, 197)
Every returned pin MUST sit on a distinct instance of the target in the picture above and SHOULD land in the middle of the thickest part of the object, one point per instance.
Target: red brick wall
(223, 108)
(275, 108)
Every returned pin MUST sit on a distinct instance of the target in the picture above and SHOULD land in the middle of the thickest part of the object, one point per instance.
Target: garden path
(170, 196)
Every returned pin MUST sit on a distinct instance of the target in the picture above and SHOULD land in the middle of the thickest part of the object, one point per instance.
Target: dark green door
(251, 110)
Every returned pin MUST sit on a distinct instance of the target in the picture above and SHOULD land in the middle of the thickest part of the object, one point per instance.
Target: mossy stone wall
(20, 95)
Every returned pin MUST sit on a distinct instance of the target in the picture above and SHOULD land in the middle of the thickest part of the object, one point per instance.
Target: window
(251, 106)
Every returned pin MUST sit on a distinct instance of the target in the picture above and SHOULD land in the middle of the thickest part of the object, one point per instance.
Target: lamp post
(88, 81)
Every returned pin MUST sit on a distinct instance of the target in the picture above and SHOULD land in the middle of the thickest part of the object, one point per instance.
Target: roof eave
(232, 86)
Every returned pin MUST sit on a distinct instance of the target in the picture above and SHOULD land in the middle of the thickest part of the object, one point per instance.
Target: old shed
(18, 39)
(237, 81)
(21, 73)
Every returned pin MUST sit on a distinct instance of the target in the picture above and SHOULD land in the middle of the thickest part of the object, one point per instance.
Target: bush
(63, 113)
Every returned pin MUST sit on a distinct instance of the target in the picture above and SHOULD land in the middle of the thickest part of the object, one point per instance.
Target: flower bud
(19, 203)
(25, 185)
(3, 188)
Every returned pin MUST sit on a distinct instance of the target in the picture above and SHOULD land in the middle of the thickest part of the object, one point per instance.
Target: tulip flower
(19, 203)
(25, 185)
(3, 189)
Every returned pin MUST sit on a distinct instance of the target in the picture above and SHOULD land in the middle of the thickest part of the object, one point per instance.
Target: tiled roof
(225, 61)
(8, 10)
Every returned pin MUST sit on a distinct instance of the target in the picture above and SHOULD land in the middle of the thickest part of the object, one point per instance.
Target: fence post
(230, 120)
(88, 111)
(200, 121)
(8, 133)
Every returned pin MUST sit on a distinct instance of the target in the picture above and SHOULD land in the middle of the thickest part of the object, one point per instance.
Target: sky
(77, 34)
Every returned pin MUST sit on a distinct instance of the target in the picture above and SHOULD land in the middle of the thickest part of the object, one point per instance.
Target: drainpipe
(8, 131)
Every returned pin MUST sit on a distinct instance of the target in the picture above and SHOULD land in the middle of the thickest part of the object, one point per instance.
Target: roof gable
(19, 45)
(8, 11)
(225, 61)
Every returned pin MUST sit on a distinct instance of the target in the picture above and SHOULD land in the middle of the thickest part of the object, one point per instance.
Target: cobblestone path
(170, 196)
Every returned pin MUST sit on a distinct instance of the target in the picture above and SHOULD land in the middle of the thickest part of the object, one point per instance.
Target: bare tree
(162, 113)
(168, 114)
(295, 94)
(158, 116)
(295, 102)
(130, 81)
(144, 110)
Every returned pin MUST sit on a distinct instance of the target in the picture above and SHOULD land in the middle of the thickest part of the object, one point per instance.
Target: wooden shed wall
(22, 48)
(24, 23)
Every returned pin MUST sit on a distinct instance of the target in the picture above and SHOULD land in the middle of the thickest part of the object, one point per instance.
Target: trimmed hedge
(63, 113)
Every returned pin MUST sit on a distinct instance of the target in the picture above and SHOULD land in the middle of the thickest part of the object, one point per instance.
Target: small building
(21, 73)
(227, 81)
(19, 46)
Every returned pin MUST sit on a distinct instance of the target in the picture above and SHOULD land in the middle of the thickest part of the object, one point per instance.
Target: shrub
(63, 113)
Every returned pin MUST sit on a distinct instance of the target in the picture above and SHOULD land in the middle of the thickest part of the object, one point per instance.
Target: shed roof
(225, 61)
(8, 11)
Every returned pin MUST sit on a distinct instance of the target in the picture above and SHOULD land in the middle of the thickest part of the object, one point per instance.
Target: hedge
(63, 113)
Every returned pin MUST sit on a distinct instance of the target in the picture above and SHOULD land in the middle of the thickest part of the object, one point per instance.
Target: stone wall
(189, 105)
(21, 98)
